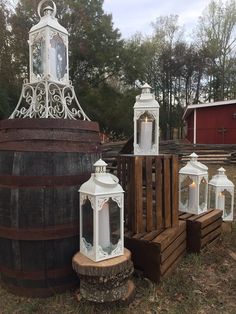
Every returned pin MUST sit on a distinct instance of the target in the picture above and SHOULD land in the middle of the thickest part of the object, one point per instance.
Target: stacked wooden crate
(154, 234)
(202, 230)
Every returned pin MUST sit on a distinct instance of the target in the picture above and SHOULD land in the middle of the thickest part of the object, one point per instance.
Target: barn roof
(190, 108)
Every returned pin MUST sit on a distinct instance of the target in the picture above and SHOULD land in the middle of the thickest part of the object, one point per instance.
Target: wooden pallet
(151, 185)
(157, 253)
(203, 229)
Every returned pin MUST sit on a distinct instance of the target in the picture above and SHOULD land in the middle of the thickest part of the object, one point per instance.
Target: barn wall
(210, 121)
(190, 125)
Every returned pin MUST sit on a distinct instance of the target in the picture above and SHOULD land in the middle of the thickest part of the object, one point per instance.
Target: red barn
(211, 123)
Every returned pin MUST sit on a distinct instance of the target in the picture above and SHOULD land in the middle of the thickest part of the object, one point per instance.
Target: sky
(131, 16)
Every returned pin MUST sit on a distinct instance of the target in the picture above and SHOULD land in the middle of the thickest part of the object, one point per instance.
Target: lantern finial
(100, 166)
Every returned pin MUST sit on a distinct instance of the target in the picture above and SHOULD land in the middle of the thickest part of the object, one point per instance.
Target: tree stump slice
(105, 281)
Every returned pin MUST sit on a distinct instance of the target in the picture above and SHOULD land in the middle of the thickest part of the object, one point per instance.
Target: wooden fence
(151, 191)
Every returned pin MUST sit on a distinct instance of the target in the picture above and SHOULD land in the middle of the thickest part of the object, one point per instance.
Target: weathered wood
(157, 256)
(174, 190)
(42, 165)
(202, 229)
(149, 226)
(158, 188)
(138, 199)
(167, 192)
(150, 183)
(104, 281)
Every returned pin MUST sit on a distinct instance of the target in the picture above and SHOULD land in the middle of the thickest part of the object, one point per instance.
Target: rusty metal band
(37, 274)
(49, 124)
(40, 234)
(51, 146)
(16, 135)
(9, 181)
(38, 292)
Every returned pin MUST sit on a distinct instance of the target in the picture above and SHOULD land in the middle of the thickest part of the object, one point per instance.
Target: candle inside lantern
(192, 195)
(104, 227)
(146, 135)
(221, 201)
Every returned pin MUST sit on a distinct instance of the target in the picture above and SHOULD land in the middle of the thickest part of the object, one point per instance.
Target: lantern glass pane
(87, 222)
(212, 197)
(109, 226)
(228, 202)
(146, 131)
(38, 52)
(202, 193)
(184, 191)
(58, 58)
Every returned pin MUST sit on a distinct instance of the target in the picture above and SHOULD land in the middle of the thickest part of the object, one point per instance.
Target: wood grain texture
(43, 162)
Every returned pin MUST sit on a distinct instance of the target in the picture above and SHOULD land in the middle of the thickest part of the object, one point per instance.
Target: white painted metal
(101, 187)
(49, 93)
(219, 184)
(146, 103)
(195, 172)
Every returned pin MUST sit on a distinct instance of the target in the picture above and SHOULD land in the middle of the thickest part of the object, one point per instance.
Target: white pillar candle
(104, 227)
(192, 195)
(146, 135)
(221, 201)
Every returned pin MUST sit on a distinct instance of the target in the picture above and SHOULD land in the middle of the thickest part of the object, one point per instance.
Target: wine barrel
(43, 162)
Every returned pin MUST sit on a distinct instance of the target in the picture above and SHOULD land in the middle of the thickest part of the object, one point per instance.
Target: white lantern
(101, 215)
(221, 194)
(49, 93)
(193, 183)
(48, 48)
(146, 123)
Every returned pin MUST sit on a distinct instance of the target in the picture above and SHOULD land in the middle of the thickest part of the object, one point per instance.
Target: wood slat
(148, 165)
(138, 195)
(174, 191)
(209, 217)
(158, 190)
(167, 192)
(210, 236)
(169, 261)
(211, 227)
(174, 245)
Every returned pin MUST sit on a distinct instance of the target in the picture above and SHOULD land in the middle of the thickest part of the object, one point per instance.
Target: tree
(216, 34)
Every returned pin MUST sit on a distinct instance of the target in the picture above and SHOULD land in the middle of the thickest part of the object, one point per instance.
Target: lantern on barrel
(221, 194)
(193, 183)
(146, 123)
(101, 215)
(48, 47)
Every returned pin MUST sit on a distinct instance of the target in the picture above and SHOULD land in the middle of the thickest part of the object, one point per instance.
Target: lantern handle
(40, 7)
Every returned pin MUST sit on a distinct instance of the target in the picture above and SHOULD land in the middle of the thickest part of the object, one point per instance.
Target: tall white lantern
(193, 185)
(101, 215)
(49, 92)
(48, 47)
(146, 123)
(221, 194)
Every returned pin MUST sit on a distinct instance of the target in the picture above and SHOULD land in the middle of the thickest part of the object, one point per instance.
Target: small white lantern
(221, 194)
(146, 123)
(193, 183)
(101, 215)
(48, 48)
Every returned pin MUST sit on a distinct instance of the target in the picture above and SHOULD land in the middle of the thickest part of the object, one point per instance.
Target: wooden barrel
(43, 162)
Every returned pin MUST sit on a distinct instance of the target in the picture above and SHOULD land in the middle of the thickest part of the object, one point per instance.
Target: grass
(204, 283)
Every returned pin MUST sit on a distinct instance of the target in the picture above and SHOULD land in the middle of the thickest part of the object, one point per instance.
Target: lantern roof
(101, 182)
(194, 167)
(146, 98)
(48, 19)
(220, 179)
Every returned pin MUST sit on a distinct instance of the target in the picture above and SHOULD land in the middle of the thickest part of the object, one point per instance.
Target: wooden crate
(157, 253)
(151, 186)
(203, 229)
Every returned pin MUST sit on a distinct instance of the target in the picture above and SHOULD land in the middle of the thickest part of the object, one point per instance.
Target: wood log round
(105, 281)
(43, 162)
